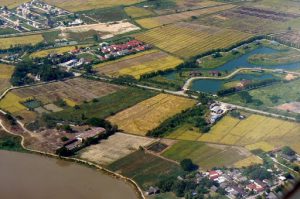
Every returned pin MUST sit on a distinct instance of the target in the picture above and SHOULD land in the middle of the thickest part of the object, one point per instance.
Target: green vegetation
(10, 142)
(146, 169)
(158, 4)
(105, 106)
(104, 14)
(288, 151)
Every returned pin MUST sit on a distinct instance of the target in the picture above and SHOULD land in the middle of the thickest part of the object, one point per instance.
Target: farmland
(138, 64)
(145, 169)
(206, 156)
(6, 43)
(177, 17)
(150, 113)
(6, 72)
(187, 40)
(12, 3)
(115, 147)
(278, 5)
(45, 53)
(73, 91)
(254, 129)
(105, 106)
(292, 37)
(136, 12)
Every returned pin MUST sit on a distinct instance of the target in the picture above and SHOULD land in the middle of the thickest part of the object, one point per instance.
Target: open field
(278, 5)
(106, 106)
(172, 18)
(89, 4)
(136, 12)
(45, 53)
(139, 64)
(6, 72)
(150, 113)
(145, 169)
(239, 20)
(254, 129)
(115, 147)
(251, 160)
(206, 156)
(12, 3)
(73, 91)
(292, 37)
(187, 40)
(6, 43)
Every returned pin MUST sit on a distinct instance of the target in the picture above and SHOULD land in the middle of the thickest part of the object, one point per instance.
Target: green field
(10, 142)
(105, 106)
(145, 169)
(204, 155)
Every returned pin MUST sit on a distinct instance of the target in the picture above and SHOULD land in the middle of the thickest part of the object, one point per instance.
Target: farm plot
(290, 37)
(206, 156)
(137, 12)
(145, 169)
(45, 53)
(12, 3)
(6, 72)
(177, 17)
(277, 5)
(187, 40)
(6, 43)
(139, 64)
(150, 113)
(253, 130)
(79, 5)
(73, 91)
(115, 147)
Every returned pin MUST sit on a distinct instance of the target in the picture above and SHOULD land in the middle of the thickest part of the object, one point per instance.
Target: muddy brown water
(28, 176)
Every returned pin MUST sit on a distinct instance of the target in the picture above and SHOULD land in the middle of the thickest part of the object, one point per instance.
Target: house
(92, 133)
(215, 73)
(195, 73)
(217, 110)
(257, 186)
(212, 175)
(152, 190)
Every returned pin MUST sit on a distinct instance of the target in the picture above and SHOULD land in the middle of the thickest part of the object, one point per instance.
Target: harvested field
(79, 5)
(290, 37)
(12, 3)
(145, 169)
(76, 90)
(206, 156)
(290, 107)
(254, 129)
(251, 160)
(6, 43)
(6, 72)
(264, 146)
(150, 113)
(187, 40)
(137, 12)
(139, 64)
(177, 17)
(186, 4)
(115, 147)
(289, 6)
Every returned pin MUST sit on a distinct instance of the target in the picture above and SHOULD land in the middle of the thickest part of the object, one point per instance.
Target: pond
(29, 176)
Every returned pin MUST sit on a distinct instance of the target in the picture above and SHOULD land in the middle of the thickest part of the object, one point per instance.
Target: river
(29, 176)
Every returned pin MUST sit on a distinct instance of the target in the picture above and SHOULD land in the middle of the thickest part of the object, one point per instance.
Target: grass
(6, 43)
(145, 169)
(45, 53)
(137, 12)
(10, 142)
(105, 106)
(6, 72)
(251, 160)
(51, 36)
(6, 31)
(149, 114)
(89, 4)
(187, 40)
(12, 3)
(105, 14)
(204, 155)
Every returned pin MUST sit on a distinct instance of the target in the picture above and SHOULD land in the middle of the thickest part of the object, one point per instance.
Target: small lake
(213, 86)
(28, 176)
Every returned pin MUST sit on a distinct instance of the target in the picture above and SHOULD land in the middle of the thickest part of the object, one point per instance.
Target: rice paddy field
(206, 156)
(137, 12)
(6, 43)
(138, 64)
(150, 113)
(153, 22)
(73, 91)
(187, 40)
(80, 5)
(45, 53)
(6, 72)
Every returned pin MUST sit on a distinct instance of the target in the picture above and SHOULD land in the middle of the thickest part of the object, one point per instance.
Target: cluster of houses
(217, 111)
(80, 140)
(118, 50)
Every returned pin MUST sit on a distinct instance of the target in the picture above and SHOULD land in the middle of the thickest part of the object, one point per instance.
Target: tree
(67, 128)
(245, 96)
(288, 151)
(187, 165)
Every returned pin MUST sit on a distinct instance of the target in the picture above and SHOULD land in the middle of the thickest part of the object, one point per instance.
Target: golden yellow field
(173, 18)
(6, 43)
(12, 3)
(150, 113)
(11, 103)
(139, 64)
(255, 132)
(136, 12)
(251, 160)
(6, 72)
(79, 5)
(44, 53)
(186, 40)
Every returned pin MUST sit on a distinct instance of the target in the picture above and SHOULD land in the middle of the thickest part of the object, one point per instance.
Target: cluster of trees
(257, 172)
(46, 72)
(193, 116)
(253, 85)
